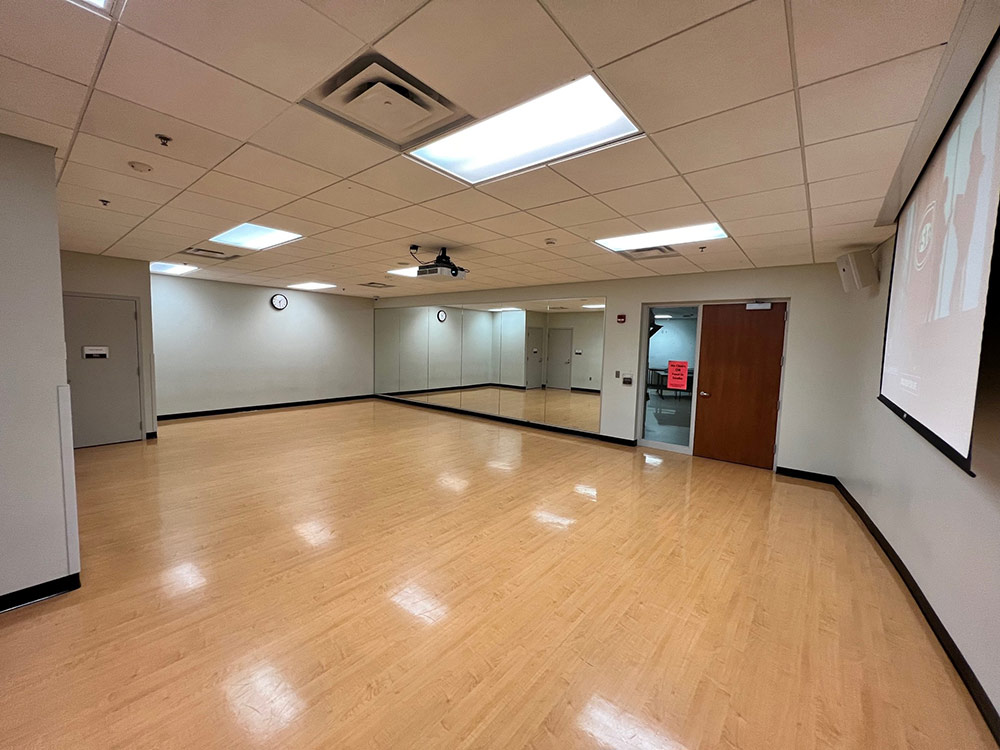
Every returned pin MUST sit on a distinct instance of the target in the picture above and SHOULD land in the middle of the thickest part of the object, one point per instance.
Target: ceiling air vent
(376, 285)
(203, 252)
(385, 102)
(650, 253)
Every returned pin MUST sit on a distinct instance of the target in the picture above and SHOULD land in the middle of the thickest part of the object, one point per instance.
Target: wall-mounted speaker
(857, 270)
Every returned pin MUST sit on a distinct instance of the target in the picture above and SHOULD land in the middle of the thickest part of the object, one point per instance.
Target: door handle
(704, 394)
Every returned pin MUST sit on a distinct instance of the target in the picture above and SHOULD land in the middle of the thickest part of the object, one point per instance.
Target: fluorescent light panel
(568, 120)
(592, 307)
(411, 271)
(503, 309)
(255, 237)
(663, 317)
(312, 286)
(171, 269)
(678, 236)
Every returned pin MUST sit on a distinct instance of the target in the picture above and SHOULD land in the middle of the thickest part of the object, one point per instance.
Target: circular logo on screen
(925, 236)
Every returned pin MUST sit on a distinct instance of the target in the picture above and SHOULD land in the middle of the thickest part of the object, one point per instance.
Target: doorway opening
(671, 356)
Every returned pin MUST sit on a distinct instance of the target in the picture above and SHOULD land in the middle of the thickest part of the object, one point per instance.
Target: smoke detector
(385, 102)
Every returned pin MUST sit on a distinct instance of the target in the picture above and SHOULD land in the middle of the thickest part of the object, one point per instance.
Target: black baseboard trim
(972, 684)
(586, 390)
(259, 407)
(456, 388)
(38, 592)
(151, 435)
(509, 420)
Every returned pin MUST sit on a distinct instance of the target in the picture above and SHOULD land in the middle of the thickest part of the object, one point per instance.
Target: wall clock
(279, 301)
(442, 316)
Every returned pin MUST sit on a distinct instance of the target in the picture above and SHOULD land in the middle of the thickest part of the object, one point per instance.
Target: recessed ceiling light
(102, 4)
(171, 269)
(255, 237)
(503, 309)
(568, 120)
(312, 286)
(663, 317)
(411, 271)
(592, 307)
(678, 236)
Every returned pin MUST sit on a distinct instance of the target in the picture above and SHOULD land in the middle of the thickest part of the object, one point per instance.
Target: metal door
(559, 358)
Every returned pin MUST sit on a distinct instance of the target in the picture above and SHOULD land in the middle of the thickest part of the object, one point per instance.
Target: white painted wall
(944, 524)
(222, 345)
(588, 338)
(119, 277)
(38, 540)
(675, 340)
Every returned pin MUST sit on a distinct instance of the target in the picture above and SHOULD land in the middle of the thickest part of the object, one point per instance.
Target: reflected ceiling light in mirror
(678, 236)
(314, 533)
(592, 307)
(255, 237)
(263, 701)
(618, 730)
(586, 490)
(503, 309)
(183, 578)
(410, 271)
(419, 603)
(171, 269)
(312, 286)
(571, 119)
(663, 317)
(551, 519)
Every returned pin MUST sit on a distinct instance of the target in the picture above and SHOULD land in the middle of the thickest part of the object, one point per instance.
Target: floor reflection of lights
(183, 578)
(314, 533)
(453, 483)
(419, 603)
(652, 460)
(618, 730)
(263, 701)
(587, 491)
(551, 519)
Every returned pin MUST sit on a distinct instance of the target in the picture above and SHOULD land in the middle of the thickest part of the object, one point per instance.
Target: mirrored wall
(539, 361)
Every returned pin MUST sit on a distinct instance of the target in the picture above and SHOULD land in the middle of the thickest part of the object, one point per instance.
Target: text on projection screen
(941, 269)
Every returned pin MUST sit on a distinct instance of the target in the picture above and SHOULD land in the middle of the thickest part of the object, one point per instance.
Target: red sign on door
(677, 375)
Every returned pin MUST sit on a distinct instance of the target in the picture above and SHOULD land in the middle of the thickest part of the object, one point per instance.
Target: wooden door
(739, 381)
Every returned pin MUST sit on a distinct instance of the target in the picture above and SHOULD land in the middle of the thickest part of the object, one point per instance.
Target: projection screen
(940, 274)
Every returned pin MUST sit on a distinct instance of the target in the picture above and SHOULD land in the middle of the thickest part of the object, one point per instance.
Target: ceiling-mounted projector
(442, 267)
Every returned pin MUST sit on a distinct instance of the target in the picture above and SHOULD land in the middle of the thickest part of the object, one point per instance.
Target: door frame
(145, 427)
(640, 406)
(548, 353)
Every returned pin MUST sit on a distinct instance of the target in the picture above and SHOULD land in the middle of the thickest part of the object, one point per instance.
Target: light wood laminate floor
(374, 575)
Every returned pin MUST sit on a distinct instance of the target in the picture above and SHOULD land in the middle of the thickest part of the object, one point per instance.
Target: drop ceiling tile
(86, 196)
(210, 224)
(383, 230)
(542, 239)
(846, 213)
(834, 38)
(260, 166)
(849, 189)
(504, 246)
(320, 213)
(751, 176)
(867, 152)
(671, 218)
(782, 256)
(186, 233)
(468, 234)
(359, 198)
(421, 218)
(474, 62)
(346, 237)
(119, 184)
(469, 205)
(212, 206)
(144, 71)
(363, 18)
(282, 46)
(44, 96)
(650, 196)
(406, 179)
(795, 238)
(39, 131)
(763, 127)
(730, 261)
(514, 224)
(235, 190)
(534, 255)
(734, 59)
(877, 97)
(125, 249)
(119, 120)
(606, 31)
(279, 220)
(99, 216)
(576, 211)
(861, 232)
(579, 250)
(829, 250)
(39, 32)
(115, 157)
(707, 247)
(768, 224)
(314, 139)
(532, 189)
(609, 228)
(616, 167)
(780, 201)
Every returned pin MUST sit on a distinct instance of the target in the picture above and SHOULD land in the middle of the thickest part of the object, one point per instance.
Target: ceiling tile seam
(798, 117)
(860, 132)
(91, 87)
(579, 50)
(640, 184)
(875, 65)
(147, 150)
(678, 33)
(399, 23)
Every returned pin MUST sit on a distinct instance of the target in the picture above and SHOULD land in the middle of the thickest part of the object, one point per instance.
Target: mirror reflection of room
(539, 361)
(672, 351)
